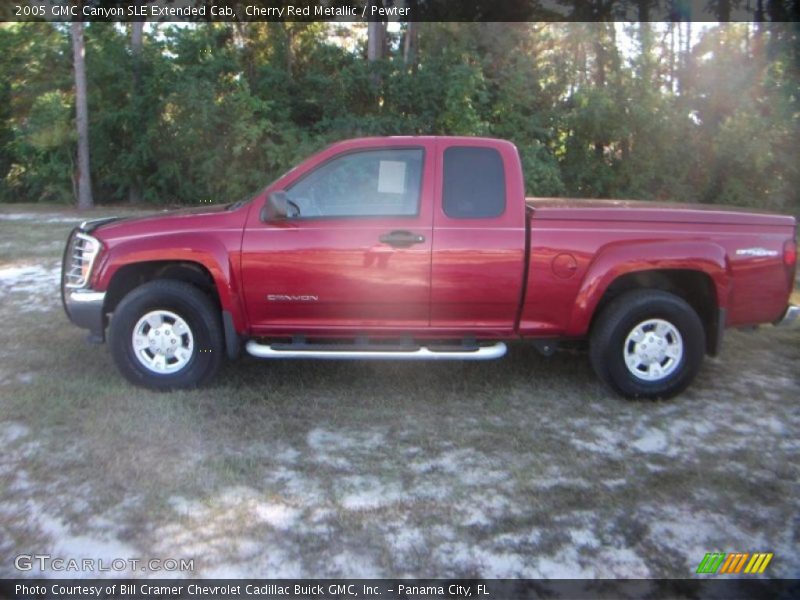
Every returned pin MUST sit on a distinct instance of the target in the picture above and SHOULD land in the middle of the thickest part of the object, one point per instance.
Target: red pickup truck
(426, 248)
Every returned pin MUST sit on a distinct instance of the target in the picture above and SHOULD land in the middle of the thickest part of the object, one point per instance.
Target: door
(479, 244)
(356, 258)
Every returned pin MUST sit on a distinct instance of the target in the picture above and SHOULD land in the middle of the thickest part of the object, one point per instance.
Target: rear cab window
(473, 183)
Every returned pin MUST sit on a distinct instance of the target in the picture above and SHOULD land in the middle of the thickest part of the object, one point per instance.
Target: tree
(211, 111)
(376, 35)
(85, 200)
(137, 30)
(410, 42)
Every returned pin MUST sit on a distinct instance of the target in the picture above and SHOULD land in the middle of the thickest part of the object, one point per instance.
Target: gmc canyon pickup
(426, 248)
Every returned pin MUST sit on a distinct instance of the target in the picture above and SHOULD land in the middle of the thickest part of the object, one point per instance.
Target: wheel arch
(694, 271)
(693, 286)
(130, 276)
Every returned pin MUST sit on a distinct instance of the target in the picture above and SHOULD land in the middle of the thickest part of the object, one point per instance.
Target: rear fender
(622, 258)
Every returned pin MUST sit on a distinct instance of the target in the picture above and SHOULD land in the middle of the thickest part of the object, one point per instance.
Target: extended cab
(426, 248)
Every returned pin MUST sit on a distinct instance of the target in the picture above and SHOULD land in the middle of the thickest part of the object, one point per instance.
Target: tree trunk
(289, 33)
(410, 45)
(374, 40)
(672, 57)
(680, 64)
(411, 39)
(600, 77)
(723, 10)
(137, 39)
(376, 31)
(758, 34)
(688, 65)
(646, 41)
(85, 200)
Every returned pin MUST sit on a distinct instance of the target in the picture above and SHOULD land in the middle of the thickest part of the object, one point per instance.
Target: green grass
(523, 466)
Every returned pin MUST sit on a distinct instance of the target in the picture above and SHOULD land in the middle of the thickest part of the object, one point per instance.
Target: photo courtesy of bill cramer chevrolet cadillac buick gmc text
(426, 248)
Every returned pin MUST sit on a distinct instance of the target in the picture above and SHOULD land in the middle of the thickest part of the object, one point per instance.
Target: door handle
(401, 239)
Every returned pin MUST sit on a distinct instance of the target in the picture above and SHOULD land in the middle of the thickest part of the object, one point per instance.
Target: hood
(164, 222)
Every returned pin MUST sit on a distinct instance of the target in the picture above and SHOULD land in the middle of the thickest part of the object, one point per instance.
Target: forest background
(212, 112)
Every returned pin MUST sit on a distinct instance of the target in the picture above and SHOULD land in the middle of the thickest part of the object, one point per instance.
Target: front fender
(209, 252)
(622, 258)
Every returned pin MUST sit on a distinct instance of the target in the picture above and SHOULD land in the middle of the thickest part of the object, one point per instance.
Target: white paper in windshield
(392, 177)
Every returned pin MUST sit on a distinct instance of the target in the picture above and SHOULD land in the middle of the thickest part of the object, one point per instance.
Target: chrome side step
(413, 353)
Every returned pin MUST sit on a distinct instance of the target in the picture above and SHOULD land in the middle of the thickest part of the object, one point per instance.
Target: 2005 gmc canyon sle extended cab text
(426, 248)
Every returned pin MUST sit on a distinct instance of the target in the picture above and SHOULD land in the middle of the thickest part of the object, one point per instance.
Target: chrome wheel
(162, 342)
(653, 350)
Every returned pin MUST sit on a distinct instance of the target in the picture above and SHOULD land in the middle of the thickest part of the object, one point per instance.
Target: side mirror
(278, 207)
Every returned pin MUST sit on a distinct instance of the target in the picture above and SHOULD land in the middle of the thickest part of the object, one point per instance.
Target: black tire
(205, 331)
(608, 348)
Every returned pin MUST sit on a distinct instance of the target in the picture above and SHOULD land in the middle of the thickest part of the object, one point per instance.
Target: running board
(413, 353)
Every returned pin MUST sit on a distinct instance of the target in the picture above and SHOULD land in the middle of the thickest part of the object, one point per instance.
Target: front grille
(79, 259)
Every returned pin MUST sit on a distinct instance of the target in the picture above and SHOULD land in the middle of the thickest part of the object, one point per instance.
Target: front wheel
(647, 344)
(166, 335)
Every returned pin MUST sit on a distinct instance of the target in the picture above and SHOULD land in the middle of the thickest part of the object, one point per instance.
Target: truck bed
(645, 211)
(578, 246)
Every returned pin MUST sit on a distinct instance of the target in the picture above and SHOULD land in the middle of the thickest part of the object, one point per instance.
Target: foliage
(596, 109)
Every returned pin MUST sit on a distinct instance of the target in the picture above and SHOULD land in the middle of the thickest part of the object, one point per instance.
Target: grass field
(524, 467)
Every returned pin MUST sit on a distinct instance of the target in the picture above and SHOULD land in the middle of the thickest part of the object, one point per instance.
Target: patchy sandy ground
(524, 467)
(29, 287)
(39, 218)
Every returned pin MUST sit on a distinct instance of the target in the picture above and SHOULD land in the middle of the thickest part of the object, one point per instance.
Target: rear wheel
(647, 344)
(166, 335)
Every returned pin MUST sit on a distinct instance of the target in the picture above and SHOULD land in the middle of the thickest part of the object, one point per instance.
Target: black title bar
(396, 10)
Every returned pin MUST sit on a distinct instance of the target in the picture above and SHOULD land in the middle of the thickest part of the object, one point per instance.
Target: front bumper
(85, 309)
(790, 316)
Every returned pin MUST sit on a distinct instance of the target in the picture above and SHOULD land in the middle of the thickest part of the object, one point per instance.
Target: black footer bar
(396, 589)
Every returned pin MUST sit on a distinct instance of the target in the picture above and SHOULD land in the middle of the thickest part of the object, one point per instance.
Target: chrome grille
(79, 260)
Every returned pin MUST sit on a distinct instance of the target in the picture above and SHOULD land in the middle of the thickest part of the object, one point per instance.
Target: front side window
(474, 185)
(372, 183)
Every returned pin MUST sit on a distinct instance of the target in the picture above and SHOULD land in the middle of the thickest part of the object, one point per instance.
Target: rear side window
(474, 184)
